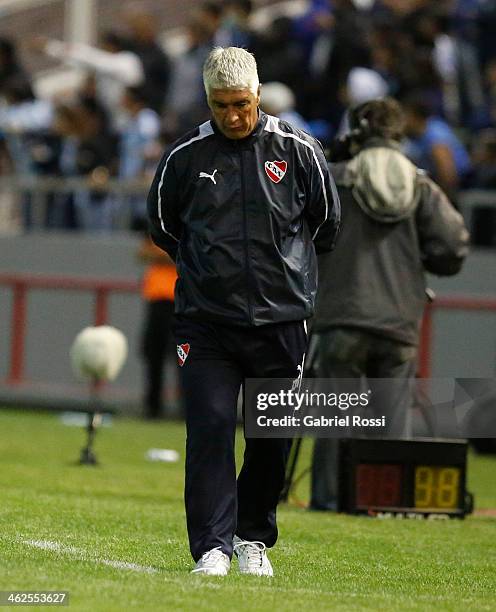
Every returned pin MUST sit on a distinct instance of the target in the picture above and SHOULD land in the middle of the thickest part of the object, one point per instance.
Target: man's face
(414, 125)
(235, 111)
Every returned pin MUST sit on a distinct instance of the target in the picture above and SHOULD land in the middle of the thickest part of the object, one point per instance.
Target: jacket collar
(248, 140)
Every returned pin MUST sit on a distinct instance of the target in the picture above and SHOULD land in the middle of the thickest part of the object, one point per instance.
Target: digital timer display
(402, 476)
(378, 484)
(437, 487)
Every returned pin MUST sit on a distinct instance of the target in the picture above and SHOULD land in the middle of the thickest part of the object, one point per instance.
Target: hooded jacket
(243, 220)
(397, 224)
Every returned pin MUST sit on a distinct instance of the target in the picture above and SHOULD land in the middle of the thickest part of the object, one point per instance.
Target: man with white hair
(241, 203)
(278, 99)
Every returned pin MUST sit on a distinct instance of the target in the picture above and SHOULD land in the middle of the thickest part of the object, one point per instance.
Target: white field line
(84, 556)
(199, 582)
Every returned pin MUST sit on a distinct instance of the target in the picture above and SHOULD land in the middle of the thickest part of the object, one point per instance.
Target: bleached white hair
(230, 68)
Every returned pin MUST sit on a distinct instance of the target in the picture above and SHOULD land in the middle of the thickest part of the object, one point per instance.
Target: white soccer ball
(98, 353)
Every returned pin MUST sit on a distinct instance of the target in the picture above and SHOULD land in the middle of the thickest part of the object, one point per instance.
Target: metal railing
(42, 188)
(22, 284)
(451, 302)
(41, 191)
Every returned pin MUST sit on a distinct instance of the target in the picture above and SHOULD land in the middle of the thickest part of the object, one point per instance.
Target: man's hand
(99, 178)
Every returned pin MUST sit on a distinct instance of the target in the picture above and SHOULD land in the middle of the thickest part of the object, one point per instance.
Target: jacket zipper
(245, 236)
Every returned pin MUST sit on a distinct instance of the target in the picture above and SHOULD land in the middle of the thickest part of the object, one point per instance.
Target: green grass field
(80, 529)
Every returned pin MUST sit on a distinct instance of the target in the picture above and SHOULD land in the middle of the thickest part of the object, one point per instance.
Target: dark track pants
(219, 357)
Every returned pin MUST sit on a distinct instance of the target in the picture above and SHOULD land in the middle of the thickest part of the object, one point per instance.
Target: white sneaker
(213, 563)
(252, 557)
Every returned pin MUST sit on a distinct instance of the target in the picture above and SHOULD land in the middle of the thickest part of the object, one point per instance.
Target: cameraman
(397, 224)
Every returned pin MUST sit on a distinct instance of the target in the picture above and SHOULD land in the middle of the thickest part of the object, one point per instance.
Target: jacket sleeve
(163, 210)
(323, 210)
(443, 237)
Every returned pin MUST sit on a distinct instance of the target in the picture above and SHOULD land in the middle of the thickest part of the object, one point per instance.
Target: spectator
(96, 158)
(10, 67)
(186, 102)
(156, 64)
(210, 15)
(386, 59)
(23, 112)
(22, 120)
(277, 99)
(456, 63)
(280, 57)
(234, 30)
(115, 67)
(346, 47)
(362, 85)
(434, 147)
(315, 22)
(66, 128)
(138, 139)
(350, 44)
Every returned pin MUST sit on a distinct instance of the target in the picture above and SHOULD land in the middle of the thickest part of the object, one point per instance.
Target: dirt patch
(485, 512)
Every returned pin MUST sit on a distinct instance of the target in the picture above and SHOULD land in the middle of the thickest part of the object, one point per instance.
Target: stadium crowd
(437, 58)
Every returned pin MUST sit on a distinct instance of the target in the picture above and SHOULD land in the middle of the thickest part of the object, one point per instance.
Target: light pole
(80, 21)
